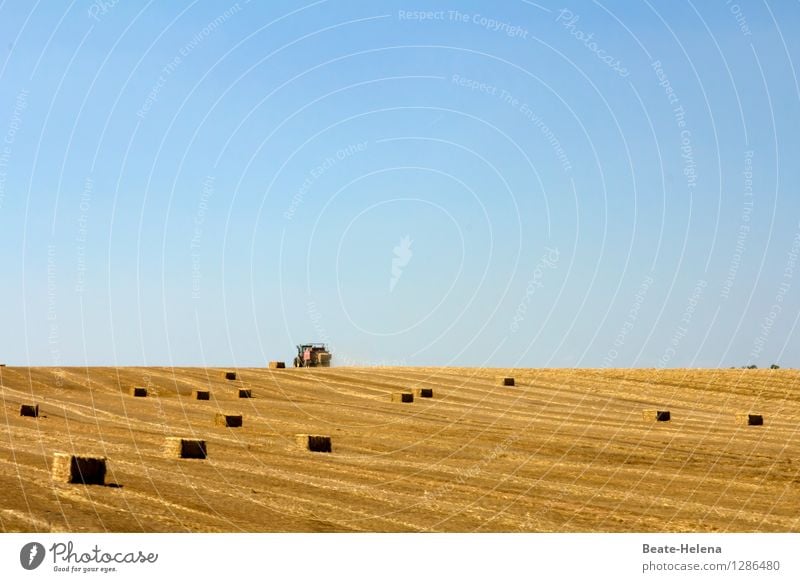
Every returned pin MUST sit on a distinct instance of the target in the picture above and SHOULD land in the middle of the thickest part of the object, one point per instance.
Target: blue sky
(417, 183)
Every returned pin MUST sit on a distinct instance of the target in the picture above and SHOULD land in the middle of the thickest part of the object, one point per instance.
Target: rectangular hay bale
(656, 415)
(245, 393)
(403, 397)
(230, 375)
(507, 381)
(31, 410)
(277, 365)
(68, 468)
(314, 443)
(185, 448)
(228, 420)
(202, 395)
(423, 392)
(139, 392)
(750, 419)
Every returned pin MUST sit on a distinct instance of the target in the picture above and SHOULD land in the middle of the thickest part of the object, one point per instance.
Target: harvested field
(565, 451)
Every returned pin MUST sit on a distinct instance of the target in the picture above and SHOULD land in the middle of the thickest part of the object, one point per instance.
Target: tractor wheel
(297, 362)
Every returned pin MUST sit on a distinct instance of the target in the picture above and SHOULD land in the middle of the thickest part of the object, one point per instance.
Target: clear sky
(415, 182)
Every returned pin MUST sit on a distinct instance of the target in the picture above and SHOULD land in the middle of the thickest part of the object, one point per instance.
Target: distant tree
(752, 367)
(774, 367)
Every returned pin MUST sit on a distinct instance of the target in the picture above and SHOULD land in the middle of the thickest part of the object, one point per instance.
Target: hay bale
(228, 420)
(656, 415)
(31, 410)
(139, 392)
(403, 397)
(314, 443)
(423, 392)
(245, 393)
(750, 419)
(202, 395)
(230, 375)
(277, 365)
(185, 448)
(507, 381)
(73, 469)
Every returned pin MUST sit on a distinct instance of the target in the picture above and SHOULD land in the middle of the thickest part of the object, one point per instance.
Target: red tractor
(312, 356)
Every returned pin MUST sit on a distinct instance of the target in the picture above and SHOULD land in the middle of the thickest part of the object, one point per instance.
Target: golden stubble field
(562, 451)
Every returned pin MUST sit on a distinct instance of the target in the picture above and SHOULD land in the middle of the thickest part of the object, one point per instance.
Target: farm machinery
(312, 356)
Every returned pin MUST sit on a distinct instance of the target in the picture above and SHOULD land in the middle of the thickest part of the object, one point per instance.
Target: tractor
(312, 356)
